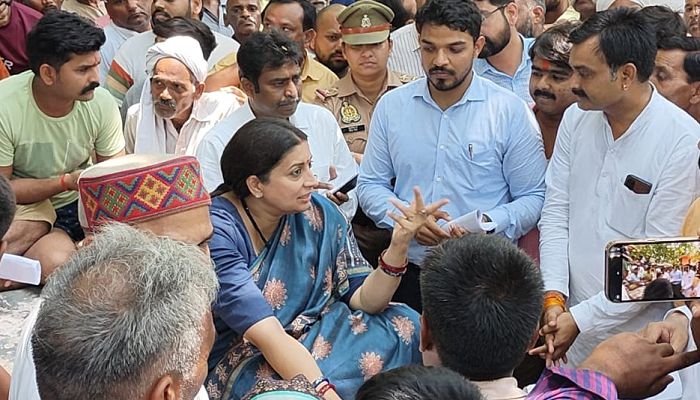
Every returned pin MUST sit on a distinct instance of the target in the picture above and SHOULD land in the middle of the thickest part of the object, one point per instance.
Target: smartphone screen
(653, 270)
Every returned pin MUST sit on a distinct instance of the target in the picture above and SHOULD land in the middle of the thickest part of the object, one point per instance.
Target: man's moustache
(544, 94)
(92, 86)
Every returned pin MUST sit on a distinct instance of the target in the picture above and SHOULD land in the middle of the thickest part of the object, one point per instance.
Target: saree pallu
(307, 273)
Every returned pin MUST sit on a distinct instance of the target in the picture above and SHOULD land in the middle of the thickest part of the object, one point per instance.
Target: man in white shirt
(175, 113)
(128, 18)
(405, 52)
(270, 72)
(129, 65)
(625, 165)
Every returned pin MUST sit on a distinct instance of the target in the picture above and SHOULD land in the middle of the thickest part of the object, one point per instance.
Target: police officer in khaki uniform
(365, 27)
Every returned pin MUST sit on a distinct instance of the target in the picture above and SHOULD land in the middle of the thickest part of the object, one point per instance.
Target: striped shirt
(405, 53)
(573, 384)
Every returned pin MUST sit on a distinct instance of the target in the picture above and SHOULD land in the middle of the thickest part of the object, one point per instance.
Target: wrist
(62, 182)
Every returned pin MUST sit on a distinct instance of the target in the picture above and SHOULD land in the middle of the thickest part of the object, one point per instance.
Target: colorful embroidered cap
(139, 187)
(365, 22)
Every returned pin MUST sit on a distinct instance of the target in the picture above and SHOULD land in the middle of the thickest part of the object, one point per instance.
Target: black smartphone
(637, 184)
(348, 186)
(650, 270)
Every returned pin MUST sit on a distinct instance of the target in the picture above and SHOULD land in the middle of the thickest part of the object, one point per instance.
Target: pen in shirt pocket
(470, 148)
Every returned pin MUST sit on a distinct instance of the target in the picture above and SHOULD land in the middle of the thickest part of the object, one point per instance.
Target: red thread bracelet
(390, 269)
(322, 391)
(62, 182)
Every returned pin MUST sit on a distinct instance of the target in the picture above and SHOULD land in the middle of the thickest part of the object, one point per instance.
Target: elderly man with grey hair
(128, 317)
(174, 112)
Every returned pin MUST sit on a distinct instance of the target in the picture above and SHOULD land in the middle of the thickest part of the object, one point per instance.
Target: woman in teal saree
(296, 295)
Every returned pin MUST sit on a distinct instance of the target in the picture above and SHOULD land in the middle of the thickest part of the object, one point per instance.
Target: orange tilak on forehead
(546, 65)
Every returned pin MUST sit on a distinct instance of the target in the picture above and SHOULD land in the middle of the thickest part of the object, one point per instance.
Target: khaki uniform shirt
(353, 110)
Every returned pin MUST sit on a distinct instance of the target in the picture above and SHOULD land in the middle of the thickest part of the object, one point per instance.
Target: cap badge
(366, 22)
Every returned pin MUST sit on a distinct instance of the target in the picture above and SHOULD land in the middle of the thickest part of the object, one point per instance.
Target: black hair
(60, 35)
(624, 36)
(256, 149)
(658, 289)
(481, 286)
(266, 50)
(309, 21)
(691, 65)
(666, 22)
(455, 14)
(197, 30)
(401, 15)
(553, 44)
(679, 43)
(7, 205)
(416, 382)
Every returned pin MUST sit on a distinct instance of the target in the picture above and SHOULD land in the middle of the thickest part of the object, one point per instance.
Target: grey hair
(120, 314)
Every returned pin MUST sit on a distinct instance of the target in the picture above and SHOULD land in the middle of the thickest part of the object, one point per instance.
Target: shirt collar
(475, 92)
(296, 119)
(501, 389)
(311, 70)
(346, 87)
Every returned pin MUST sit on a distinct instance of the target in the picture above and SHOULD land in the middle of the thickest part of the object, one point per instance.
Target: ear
(196, 8)
(628, 73)
(164, 389)
(247, 86)
(511, 12)
(198, 90)
(538, 15)
(695, 93)
(309, 37)
(426, 338)
(48, 74)
(255, 186)
(478, 46)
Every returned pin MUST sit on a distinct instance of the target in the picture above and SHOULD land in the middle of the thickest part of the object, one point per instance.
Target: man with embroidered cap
(158, 193)
(175, 112)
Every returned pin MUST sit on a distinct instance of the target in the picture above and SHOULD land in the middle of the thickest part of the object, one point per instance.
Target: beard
(444, 85)
(493, 46)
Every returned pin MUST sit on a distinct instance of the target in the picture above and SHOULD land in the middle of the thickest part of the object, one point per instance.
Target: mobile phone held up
(650, 270)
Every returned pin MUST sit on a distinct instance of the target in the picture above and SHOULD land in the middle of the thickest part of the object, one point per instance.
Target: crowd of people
(371, 199)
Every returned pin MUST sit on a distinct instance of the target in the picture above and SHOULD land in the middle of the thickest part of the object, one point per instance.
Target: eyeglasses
(486, 14)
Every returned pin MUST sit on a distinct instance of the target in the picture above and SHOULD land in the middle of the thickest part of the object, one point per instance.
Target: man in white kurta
(270, 69)
(587, 203)
(189, 112)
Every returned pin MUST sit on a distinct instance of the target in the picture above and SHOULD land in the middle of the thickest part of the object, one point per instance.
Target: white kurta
(326, 143)
(207, 111)
(587, 205)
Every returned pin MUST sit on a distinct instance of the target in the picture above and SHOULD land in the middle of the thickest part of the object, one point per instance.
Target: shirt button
(438, 179)
(442, 147)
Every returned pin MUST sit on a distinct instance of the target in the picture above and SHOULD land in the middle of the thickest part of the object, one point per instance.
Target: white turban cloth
(150, 129)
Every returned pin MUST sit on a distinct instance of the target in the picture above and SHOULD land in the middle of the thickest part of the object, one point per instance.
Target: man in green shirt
(55, 121)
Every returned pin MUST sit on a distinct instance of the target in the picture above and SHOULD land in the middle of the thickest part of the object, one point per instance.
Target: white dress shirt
(206, 112)
(115, 36)
(587, 205)
(326, 143)
(405, 51)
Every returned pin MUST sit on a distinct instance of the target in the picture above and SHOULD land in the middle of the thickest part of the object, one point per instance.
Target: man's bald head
(328, 43)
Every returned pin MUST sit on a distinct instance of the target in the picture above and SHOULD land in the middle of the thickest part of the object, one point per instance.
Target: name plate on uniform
(353, 129)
